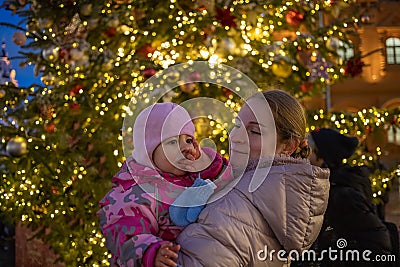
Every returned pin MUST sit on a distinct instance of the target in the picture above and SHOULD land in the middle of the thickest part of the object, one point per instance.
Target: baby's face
(168, 156)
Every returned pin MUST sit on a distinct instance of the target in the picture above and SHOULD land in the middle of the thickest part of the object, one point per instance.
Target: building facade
(379, 83)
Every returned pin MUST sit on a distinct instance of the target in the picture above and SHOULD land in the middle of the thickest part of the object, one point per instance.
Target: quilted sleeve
(129, 224)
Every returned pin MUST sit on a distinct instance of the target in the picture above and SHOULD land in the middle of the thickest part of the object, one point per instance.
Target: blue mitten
(188, 205)
(199, 200)
(178, 209)
(178, 214)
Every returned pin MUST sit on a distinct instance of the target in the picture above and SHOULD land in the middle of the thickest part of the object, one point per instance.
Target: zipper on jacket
(156, 196)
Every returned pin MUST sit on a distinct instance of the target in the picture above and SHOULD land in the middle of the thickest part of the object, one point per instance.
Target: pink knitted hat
(155, 124)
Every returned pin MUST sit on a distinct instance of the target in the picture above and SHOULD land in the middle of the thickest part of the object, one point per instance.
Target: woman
(276, 208)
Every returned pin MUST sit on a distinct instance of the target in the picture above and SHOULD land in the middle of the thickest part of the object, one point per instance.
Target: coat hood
(154, 125)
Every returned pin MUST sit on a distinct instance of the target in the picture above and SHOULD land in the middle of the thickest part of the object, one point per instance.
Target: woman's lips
(237, 151)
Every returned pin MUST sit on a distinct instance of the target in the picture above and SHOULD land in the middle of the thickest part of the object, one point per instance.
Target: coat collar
(277, 160)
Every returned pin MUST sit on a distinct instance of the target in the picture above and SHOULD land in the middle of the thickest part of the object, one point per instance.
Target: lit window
(393, 50)
(344, 50)
(394, 135)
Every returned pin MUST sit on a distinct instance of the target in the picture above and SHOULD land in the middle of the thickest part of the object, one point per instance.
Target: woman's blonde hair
(290, 119)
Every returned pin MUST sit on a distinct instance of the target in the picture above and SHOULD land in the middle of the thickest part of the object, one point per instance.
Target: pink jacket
(134, 214)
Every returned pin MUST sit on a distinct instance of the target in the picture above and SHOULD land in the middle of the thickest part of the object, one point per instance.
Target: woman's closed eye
(255, 132)
(254, 129)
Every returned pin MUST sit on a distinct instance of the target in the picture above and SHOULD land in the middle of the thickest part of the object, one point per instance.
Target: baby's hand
(197, 165)
(193, 153)
(165, 255)
(195, 160)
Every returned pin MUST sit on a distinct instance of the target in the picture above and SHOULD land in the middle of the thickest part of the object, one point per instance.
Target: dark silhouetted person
(350, 215)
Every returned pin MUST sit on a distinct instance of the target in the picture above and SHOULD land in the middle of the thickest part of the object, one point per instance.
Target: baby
(137, 216)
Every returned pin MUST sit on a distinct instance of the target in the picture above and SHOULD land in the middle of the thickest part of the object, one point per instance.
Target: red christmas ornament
(50, 128)
(306, 86)
(354, 67)
(294, 18)
(226, 92)
(74, 106)
(225, 17)
(111, 32)
(54, 189)
(201, 8)
(145, 51)
(147, 73)
(75, 90)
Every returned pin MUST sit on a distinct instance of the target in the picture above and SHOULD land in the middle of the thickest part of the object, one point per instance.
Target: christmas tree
(62, 139)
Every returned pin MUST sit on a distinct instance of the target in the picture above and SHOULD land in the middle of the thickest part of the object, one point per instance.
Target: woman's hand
(165, 255)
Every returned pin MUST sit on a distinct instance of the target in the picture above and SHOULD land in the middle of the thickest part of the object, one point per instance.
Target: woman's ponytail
(302, 151)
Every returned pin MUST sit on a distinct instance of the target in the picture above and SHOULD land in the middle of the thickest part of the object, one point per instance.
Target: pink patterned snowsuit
(134, 214)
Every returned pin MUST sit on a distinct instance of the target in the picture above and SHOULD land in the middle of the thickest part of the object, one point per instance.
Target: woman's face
(168, 155)
(254, 134)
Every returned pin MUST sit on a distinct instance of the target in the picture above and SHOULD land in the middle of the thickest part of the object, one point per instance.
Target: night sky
(25, 76)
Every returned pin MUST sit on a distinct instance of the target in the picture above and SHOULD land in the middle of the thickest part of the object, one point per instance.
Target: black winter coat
(351, 215)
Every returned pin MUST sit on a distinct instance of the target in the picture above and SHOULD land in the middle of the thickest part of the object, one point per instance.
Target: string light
(363, 124)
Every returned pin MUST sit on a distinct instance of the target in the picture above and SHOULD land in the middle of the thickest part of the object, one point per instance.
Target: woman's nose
(236, 136)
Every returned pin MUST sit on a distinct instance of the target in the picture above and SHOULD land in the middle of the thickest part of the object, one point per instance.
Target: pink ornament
(187, 88)
(147, 73)
(195, 76)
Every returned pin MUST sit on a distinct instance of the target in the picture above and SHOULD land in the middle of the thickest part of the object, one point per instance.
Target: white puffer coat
(242, 228)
